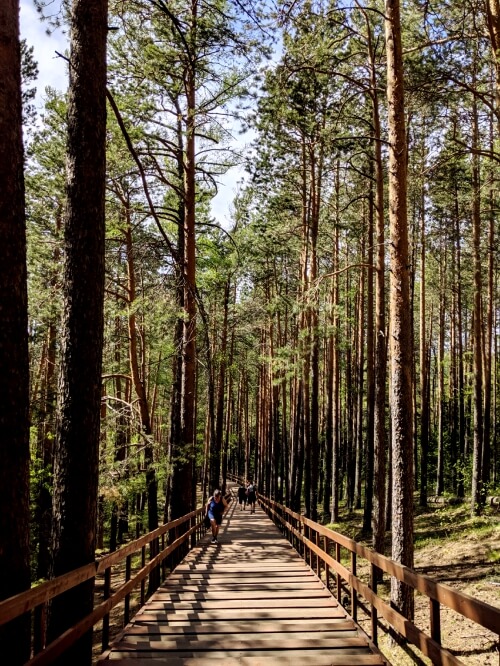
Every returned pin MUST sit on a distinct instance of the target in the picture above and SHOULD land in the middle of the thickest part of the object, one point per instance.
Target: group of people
(247, 495)
(218, 504)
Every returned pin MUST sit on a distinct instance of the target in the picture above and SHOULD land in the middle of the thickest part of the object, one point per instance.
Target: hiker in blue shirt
(215, 508)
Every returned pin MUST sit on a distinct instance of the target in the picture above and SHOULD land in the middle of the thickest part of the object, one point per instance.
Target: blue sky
(52, 70)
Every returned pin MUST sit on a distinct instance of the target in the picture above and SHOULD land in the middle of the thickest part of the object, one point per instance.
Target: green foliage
(29, 74)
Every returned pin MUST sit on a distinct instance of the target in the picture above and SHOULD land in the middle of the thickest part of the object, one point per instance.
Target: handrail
(305, 535)
(37, 598)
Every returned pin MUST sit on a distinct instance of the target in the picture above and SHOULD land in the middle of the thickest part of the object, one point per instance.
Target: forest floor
(459, 551)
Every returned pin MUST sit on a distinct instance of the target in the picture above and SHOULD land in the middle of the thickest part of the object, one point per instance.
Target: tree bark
(14, 371)
(77, 438)
(440, 370)
(400, 331)
(424, 371)
(370, 371)
(216, 453)
(477, 488)
(336, 360)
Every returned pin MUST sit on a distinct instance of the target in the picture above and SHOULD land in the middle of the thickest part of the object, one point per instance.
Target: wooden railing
(322, 550)
(167, 546)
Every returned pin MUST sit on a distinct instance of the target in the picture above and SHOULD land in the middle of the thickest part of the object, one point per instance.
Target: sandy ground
(468, 561)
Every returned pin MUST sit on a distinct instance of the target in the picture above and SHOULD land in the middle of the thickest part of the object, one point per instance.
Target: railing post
(143, 581)
(435, 620)
(300, 543)
(154, 576)
(306, 547)
(105, 619)
(339, 580)
(163, 562)
(327, 566)
(128, 573)
(318, 559)
(177, 556)
(374, 617)
(354, 594)
(40, 628)
(192, 523)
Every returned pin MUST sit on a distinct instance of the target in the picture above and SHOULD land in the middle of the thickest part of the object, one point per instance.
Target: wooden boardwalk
(250, 599)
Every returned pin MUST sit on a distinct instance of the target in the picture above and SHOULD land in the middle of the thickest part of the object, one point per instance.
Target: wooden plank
(252, 643)
(243, 577)
(227, 614)
(240, 595)
(270, 569)
(205, 586)
(264, 641)
(285, 660)
(215, 627)
(248, 604)
(278, 655)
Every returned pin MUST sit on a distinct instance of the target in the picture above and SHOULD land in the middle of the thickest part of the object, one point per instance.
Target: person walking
(251, 496)
(242, 497)
(215, 509)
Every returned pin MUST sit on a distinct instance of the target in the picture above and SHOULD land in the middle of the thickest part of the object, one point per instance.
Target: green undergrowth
(433, 525)
(453, 523)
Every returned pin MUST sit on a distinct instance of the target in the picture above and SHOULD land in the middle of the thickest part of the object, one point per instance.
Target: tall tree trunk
(45, 445)
(216, 454)
(477, 490)
(138, 373)
(424, 395)
(487, 337)
(360, 365)
(14, 371)
(336, 359)
(327, 494)
(182, 500)
(370, 372)
(380, 342)
(493, 22)
(139, 382)
(229, 417)
(460, 425)
(176, 397)
(400, 332)
(305, 332)
(440, 370)
(76, 453)
(298, 437)
(119, 517)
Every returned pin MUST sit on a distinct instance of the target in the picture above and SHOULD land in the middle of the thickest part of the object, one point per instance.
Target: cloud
(52, 69)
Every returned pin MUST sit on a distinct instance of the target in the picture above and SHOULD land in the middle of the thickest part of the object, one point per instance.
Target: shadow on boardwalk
(250, 599)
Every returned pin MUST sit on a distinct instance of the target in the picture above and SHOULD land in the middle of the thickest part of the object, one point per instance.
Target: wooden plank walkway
(250, 599)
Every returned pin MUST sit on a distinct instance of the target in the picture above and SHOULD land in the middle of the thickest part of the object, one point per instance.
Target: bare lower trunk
(400, 330)
(14, 372)
(77, 438)
(477, 489)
